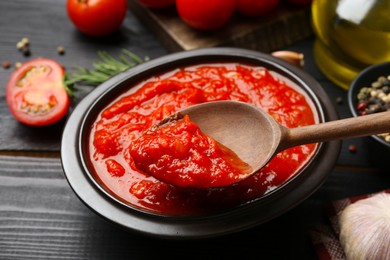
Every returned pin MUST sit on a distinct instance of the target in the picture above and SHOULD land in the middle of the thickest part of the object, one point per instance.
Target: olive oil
(351, 35)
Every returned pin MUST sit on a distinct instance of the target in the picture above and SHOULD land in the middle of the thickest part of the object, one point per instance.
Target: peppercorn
(6, 64)
(60, 50)
(339, 100)
(374, 108)
(352, 148)
(386, 83)
(24, 46)
(361, 106)
(381, 80)
(376, 84)
(362, 96)
(17, 65)
(25, 50)
(375, 98)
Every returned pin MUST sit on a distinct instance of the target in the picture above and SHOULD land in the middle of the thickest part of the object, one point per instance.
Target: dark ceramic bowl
(288, 195)
(379, 148)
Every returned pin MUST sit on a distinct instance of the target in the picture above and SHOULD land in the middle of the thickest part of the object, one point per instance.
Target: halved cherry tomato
(255, 7)
(97, 17)
(205, 14)
(36, 94)
(157, 3)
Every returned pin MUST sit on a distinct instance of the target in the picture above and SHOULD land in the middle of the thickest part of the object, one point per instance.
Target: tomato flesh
(127, 120)
(35, 93)
(179, 153)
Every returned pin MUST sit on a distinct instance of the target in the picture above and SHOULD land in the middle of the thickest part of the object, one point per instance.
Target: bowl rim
(369, 74)
(167, 66)
(237, 219)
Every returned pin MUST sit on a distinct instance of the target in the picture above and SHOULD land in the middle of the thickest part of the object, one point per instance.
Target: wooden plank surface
(49, 27)
(41, 218)
(282, 27)
(46, 24)
(55, 29)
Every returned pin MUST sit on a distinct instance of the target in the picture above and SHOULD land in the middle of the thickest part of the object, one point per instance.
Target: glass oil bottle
(351, 35)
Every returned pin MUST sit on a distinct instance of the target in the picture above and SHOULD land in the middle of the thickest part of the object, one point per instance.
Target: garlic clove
(295, 58)
(365, 228)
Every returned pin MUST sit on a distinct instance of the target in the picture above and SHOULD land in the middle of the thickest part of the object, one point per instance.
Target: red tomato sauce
(177, 152)
(129, 117)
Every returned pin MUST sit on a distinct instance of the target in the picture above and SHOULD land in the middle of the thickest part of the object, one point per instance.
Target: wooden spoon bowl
(256, 137)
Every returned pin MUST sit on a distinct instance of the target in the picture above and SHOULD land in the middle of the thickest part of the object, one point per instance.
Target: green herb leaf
(103, 69)
(69, 87)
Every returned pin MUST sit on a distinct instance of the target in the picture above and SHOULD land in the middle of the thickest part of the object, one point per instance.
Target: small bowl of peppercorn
(370, 93)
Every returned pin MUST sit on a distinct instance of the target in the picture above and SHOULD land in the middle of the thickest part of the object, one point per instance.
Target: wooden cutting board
(274, 31)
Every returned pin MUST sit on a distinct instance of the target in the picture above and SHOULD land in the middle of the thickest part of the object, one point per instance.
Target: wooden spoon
(256, 137)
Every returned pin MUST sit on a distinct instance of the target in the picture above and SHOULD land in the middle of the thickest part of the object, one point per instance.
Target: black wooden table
(41, 218)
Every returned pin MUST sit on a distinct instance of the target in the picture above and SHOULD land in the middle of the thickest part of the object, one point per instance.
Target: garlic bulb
(365, 228)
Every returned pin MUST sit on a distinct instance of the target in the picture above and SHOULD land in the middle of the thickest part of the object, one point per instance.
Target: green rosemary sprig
(103, 69)
(69, 87)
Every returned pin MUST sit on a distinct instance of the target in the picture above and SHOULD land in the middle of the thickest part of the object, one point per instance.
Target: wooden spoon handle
(335, 130)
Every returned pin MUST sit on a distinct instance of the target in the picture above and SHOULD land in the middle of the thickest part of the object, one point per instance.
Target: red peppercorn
(362, 113)
(361, 106)
(6, 64)
(352, 148)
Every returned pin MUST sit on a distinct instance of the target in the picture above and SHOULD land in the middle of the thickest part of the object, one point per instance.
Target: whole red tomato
(157, 3)
(36, 94)
(205, 14)
(97, 17)
(255, 7)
